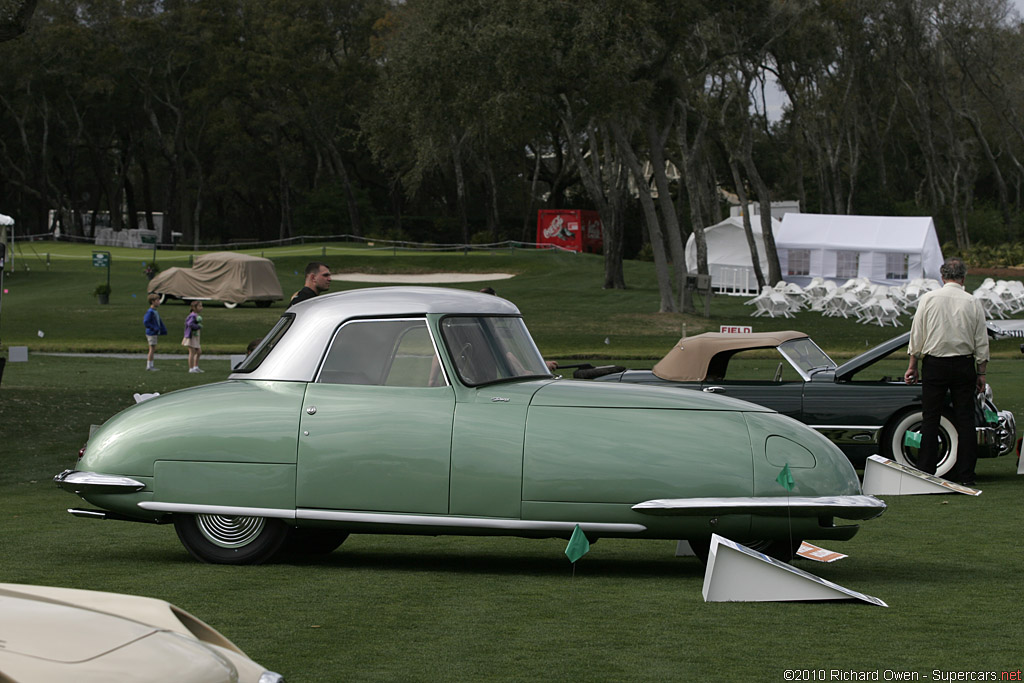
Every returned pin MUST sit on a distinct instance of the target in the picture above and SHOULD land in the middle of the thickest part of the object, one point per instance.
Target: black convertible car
(863, 405)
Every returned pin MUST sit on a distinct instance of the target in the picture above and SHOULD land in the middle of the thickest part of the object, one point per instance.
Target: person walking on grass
(154, 328)
(193, 327)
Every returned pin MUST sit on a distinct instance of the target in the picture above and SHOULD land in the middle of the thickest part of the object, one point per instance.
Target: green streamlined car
(431, 411)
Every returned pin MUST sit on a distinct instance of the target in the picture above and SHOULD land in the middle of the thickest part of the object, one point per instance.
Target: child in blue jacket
(154, 328)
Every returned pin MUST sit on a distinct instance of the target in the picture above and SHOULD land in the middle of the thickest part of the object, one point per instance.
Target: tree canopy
(455, 120)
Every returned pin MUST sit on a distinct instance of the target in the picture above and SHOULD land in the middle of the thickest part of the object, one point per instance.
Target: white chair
(779, 304)
(1011, 294)
(818, 296)
(887, 312)
(762, 302)
(843, 304)
(991, 302)
(794, 293)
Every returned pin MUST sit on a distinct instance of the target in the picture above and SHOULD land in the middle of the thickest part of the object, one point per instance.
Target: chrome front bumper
(1000, 439)
(94, 482)
(1006, 432)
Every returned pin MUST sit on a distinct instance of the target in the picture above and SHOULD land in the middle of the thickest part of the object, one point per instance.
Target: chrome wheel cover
(230, 531)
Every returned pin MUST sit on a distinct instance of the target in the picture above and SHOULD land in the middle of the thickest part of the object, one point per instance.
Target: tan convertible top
(690, 358)
(221, 276)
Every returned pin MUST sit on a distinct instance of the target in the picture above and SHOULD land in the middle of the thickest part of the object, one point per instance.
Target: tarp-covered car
(422, 410)
(221, 276)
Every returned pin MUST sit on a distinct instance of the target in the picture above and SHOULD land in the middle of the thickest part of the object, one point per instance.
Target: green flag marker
(785, 478)
(578, 545)
(912, 439)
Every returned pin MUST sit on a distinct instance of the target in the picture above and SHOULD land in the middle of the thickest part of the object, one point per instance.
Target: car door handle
(713, 390)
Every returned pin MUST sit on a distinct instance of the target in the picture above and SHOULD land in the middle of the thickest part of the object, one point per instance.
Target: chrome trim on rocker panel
(401, 520)
(226, 510)
(849, 434)
(465, 522)
(844, 507)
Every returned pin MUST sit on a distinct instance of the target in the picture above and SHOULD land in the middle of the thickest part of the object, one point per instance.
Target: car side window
(396, 353)
(270, 340)
(752, 365)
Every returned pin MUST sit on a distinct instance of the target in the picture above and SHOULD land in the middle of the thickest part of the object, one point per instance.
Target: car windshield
(806, 357)
(489, 349)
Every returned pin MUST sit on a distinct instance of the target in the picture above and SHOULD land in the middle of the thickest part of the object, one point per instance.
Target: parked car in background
(863, 409)
(66, 634)
(225, 276)
(431, 411)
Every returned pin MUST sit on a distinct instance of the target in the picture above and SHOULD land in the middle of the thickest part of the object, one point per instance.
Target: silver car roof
(296, 356)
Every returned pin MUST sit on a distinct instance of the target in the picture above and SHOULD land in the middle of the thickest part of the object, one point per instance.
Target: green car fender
(232, 442)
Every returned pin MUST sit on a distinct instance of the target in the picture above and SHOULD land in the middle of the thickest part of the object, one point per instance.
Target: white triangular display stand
(884, 477)
(683, 549)
(1020, 461)
(735, 573)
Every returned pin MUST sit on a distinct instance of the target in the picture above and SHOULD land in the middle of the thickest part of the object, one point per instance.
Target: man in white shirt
(949, 339)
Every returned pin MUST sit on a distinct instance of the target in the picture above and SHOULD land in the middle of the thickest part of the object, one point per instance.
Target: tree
(14, 17)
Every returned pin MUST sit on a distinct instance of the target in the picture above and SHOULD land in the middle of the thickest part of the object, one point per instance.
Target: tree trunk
(460, 188)
(661, 266)
(764, 198)
(606, 173)
(741, 192)
(691, 160)
(677, 249)
(1004, 203)
(338, 167)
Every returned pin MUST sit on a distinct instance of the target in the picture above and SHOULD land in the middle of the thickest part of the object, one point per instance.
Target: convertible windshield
(491, 349)
(806, 357)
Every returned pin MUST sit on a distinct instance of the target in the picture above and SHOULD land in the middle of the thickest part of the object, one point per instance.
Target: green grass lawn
(386, 608)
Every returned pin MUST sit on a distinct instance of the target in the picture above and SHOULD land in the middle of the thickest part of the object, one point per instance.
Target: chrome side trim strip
(94, 482)
(227, 510)
(845, 507)
(819, 427)
(849, 434)
(401, 520)
(467, 522)
(92, 514)
(107, 515)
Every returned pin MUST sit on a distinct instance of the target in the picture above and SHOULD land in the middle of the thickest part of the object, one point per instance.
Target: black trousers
(957, 376)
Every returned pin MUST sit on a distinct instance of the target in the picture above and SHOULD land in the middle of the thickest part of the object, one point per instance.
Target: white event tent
(729, 261)
(887, 250)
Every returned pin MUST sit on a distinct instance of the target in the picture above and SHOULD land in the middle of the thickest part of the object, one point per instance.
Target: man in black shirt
(318, 281)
